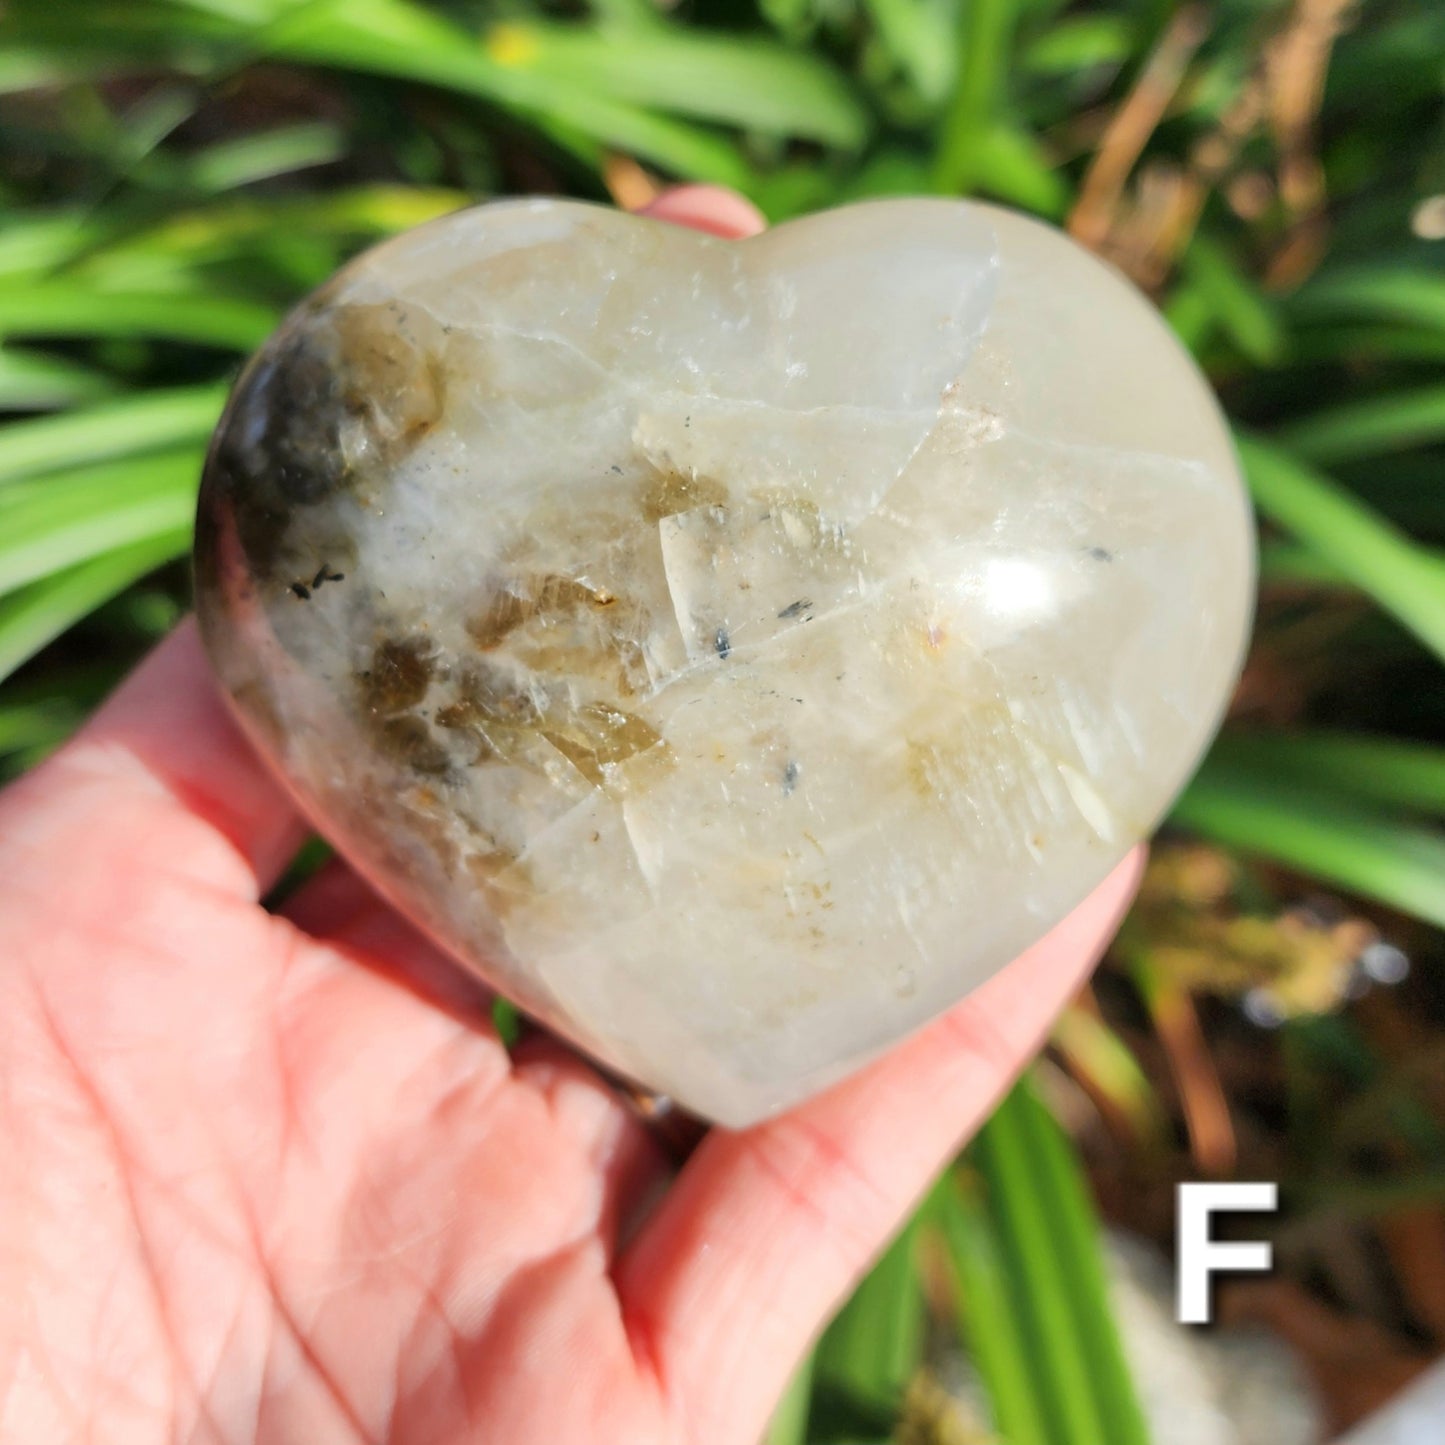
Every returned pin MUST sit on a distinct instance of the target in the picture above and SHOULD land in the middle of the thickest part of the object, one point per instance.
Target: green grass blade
(404, 41)
(1355, 541)
(1011, 166)
(234, 226)
(790, 1420)
(1190, 316)
(624, 16)
(1350, 343)
(389, 37)
(108, 250)
(1078, 1253)
(756, 84)
(987, 1319)
(1416, 298)
(985, 40)
(1096, 1053)
(872, 1349)
(68, 308)
(38, 715)
(1350, 844)
(1048, 1246)
(918, 34)
(1236, 303)
(144, 421)
(39, 613)
(1079, 43)
(35, 242)
(277, 152)
(35, 725)
(1405, 775)
(26, 68)
(1289, 562)
(57, 521)
(33, 381)
(1352, 431)
(126, 26)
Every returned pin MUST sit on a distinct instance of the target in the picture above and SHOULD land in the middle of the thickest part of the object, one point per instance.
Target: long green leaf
(1315, 830)
(875, 1345)
(1289, 562)
(145, 421)
(37, 241)
(32, 725)
(391, 37)
(1078, 1251)
(100, 249)
(54, 522)
(1079, 43)
(27, 68)
(69, 308)
(1416, 298)
(985, 39)
(987, 1318)
(1048, 1247)
(37, 614)
(351, 211)
(164, 31)
(626, 15)
(1405, 775)
(919, 36)
(1236, 302)
(1371, 427)
(1012, 166)
(280, 151)
(789, 1424)
(1358, 543)
(406, 41)
(35, 381)
(1351, 343)
(755, 84)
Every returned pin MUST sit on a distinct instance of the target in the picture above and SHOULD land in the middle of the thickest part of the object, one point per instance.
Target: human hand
(275, 1178)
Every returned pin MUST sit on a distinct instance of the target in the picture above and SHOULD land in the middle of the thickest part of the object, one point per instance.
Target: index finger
(162, 777)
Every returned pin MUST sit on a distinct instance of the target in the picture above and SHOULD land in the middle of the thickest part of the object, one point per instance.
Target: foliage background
(175, 173)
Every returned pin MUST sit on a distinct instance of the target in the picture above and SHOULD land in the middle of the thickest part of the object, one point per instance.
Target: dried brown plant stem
(1294, 64)
(1095, 214)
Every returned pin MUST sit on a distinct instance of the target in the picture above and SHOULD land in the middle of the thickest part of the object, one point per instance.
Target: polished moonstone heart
(734, 651)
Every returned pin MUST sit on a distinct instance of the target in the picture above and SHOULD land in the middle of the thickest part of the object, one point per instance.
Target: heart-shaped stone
(733, 651)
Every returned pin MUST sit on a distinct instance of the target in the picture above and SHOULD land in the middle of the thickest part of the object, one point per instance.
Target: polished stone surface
(735, 651)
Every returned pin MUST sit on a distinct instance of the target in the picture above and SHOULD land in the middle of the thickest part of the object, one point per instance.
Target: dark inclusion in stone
(320, 415)
(396, 683)
(401, 671)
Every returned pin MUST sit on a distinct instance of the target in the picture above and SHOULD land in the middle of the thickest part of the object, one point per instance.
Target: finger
(712, 209)
(624, 1156)
(767, 1229)
(161, 777)
(337, 907)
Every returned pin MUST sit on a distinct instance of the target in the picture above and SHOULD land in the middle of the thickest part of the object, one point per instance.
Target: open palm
(273, 1177)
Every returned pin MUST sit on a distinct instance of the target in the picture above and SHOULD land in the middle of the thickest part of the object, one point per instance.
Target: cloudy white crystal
(845, 603)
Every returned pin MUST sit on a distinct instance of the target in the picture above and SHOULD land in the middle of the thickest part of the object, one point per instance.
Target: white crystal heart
(734, 651)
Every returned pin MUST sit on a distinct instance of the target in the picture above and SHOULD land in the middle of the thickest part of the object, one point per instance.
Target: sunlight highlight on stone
(1018, 589)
